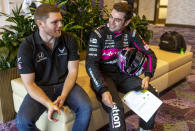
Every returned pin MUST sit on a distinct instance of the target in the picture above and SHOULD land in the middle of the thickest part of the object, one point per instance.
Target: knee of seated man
(86, 106)
(22, 120)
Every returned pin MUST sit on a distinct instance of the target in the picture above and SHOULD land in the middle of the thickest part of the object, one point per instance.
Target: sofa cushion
(18, 87)
(82, 80)
(173, 59)
(162, 67)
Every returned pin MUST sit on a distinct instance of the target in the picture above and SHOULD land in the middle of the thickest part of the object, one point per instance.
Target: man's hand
(145, 82)
(59, 101)
(107, 99)
(51, 109)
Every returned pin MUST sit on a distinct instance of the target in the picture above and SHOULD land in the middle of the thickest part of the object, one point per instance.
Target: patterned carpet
(177, 112)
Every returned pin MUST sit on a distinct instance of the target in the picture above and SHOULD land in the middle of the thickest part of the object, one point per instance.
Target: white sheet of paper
(143, 103)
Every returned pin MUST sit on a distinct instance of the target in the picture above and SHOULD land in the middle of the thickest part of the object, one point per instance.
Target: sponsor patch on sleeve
(19, 63)
(93, 49)
(92, 54)
(93, 40)
(97, 32)
(146, 47)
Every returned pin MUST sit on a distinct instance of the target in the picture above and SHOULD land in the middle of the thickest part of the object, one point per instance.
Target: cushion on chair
(174, 60)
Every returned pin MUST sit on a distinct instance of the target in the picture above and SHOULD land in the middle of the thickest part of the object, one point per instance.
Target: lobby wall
(7, 5)
(110, 3)
(147, 8)
(181, 12)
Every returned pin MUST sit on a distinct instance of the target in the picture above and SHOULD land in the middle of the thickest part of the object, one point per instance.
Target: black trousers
(120, 82)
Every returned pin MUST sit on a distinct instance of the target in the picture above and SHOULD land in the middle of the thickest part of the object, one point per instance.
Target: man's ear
(127, 22)
(39, 23)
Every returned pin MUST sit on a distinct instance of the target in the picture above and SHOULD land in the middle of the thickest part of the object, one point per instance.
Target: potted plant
(11, 37)
(141, 26)
(86, 14)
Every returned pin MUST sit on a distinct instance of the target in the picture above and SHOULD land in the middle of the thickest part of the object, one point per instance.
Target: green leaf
(8, 64)
(3, 14)
(14, 43)
(4, 52)
(62, 4)
(66, 26)
(76, 27)
(12, 36)
(140, 24)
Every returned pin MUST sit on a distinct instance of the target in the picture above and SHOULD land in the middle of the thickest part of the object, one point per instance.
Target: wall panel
(181, 12)
(147, 8)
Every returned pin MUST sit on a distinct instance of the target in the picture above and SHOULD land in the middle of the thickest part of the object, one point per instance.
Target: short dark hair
(125, 8)
(42, 12)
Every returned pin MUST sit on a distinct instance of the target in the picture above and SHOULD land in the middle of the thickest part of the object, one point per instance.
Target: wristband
(50, 105)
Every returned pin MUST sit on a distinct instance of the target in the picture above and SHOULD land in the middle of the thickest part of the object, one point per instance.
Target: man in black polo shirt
(48, 65)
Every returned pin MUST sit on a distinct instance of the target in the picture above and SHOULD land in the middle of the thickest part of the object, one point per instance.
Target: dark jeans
(77, 100)
(120, 82)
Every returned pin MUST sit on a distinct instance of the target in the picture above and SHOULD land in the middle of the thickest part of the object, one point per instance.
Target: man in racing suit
(105, 43)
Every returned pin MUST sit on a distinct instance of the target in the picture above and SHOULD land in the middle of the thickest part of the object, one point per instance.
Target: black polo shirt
(50, 67)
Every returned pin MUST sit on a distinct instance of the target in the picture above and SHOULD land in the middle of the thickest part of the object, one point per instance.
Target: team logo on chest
(109, 37)
(41, 57)
(109, 42)
(93, 40)
(62, 51)
(125, 40)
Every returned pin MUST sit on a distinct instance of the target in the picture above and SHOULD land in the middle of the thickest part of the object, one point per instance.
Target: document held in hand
(143, 103)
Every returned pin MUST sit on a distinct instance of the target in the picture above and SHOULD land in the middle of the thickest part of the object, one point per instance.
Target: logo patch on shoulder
(146, 47)
(99, 35)
(93, 40)
(19, 63)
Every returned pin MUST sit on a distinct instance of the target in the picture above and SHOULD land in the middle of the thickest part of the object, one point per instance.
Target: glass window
(163, 2)
(162, 13)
